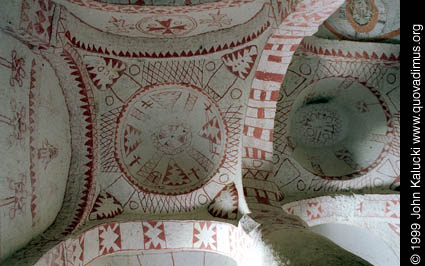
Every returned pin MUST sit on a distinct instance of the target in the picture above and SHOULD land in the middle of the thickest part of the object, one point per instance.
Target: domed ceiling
(35, 138)
(364, 20)
(339, 118)
(157, 2)
(140, 132)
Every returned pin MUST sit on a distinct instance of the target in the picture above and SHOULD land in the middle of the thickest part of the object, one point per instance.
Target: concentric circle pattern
(170, 139)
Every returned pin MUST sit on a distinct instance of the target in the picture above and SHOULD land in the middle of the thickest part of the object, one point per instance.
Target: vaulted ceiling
(197, 132)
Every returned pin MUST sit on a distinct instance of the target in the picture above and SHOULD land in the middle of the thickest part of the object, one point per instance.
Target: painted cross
(166, 27)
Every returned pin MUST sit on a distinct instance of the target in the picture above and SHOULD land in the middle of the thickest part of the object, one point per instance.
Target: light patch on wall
(359, 242)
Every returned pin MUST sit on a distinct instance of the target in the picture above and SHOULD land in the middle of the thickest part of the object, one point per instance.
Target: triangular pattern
(174, 175)
(388, 169)
(205, 235)
(225, 204)
(385, 56)
(241, 62)
(106, 206)
(131, 139)
(154, 235)
(211, 131)
(57, 257)
(139, 54)
(109, 238)
(166, 99)
(86, 182)
(104, 72)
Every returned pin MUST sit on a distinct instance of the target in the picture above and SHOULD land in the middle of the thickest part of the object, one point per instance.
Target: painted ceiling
(197, 132)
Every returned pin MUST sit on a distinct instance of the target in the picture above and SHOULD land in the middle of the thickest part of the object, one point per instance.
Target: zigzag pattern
(233, 118)
(371, 74)
(108, 121)
(225, 204)
(189, 72)
(140, 9)
(105, 206)
(88, 178)
(161, 204)
(282, 114)
(316, 49)
(104, 51)
(33, 117)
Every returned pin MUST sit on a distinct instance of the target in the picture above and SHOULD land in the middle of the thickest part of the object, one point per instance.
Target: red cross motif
(166, 26)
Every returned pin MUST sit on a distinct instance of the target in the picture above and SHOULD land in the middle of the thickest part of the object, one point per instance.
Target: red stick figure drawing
(17, 123)
(17, 68)
(47, 153)
(17, 201)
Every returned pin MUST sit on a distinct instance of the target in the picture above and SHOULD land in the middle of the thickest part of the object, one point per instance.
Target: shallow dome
(157, 2)
(337, 126)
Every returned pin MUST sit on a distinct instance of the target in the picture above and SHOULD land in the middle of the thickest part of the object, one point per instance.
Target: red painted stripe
(254, 153)
(263, 95)
(257, 132)
(263, 154)
(260, 113)
(294, 47)
(245, 129)
(254, 117)
(271, 136)
(247, 152)
(251, 94)
(268, 46)
(274, 58)
(268, 76)
(274, 96)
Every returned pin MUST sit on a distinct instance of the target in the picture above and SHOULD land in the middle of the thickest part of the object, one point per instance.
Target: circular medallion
(366, 20)
(170, 139)
(340, 128)
(319, 125)
(166, 25)
(362, 14)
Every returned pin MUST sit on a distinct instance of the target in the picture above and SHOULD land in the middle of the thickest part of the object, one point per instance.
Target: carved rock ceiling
(156, 2)
(169, 132)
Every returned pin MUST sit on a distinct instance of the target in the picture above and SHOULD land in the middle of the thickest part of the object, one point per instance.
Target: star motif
(154, 235)
(109, 238)
(205, 236)
(315, 210)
